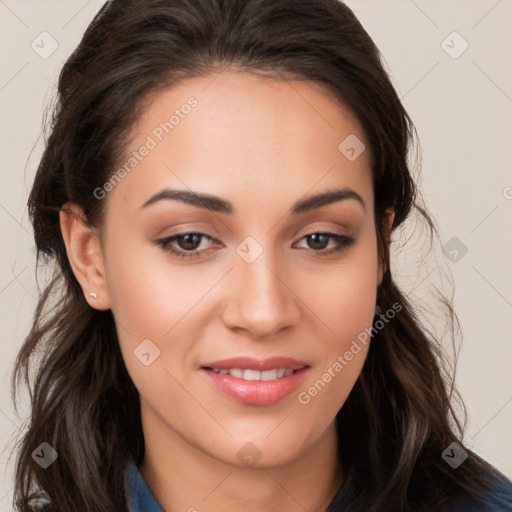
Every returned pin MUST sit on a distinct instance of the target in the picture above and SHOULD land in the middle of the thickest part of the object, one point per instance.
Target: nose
(260, 302)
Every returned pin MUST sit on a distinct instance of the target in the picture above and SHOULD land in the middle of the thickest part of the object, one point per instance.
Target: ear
(390, 214)
(85, 255)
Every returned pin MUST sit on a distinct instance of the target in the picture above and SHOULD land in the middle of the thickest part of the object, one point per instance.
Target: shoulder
(499, 499)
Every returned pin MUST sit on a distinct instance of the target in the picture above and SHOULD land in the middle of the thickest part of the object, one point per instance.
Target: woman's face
(251, 283)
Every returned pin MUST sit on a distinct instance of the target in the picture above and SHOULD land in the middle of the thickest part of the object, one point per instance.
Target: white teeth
(239, 373)
(236, 372)
(269, 374)
(251, 375)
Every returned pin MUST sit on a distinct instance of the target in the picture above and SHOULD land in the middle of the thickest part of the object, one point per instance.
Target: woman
(223, 332)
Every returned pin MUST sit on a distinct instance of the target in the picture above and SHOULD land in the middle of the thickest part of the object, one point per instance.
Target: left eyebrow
(325, 198)
(218, 204)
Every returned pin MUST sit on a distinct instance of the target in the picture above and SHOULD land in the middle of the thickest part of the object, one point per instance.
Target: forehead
(240, 135)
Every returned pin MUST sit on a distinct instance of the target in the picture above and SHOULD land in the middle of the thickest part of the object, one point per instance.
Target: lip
(256, 392)
(250, 363)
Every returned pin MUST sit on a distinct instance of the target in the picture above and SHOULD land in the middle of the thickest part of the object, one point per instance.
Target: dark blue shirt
(142, 500)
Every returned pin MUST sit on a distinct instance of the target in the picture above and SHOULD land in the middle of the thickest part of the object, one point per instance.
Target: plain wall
(462, 109)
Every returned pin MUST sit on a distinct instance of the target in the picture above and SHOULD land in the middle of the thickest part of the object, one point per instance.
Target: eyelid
(166, 241)
(343, 242)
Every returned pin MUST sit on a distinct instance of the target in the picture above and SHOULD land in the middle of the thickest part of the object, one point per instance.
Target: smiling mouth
(255, 381)
(251, 375)
(257, 387)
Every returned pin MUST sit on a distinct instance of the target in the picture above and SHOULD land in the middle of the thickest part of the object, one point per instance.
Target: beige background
(462, 108)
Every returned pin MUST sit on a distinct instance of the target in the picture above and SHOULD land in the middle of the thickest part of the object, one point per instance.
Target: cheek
(343, 296)
(149, 293)
(344, 301)
(154, 299)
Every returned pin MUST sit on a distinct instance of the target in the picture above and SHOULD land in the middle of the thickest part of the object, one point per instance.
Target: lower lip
(256, 392)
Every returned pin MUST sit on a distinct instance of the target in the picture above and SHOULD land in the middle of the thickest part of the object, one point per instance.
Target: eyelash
(344, 242)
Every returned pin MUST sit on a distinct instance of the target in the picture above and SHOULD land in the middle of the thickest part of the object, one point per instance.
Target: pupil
(315, 238)
(189, 245)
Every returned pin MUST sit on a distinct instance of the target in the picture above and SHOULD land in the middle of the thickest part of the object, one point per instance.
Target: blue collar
(141, 498)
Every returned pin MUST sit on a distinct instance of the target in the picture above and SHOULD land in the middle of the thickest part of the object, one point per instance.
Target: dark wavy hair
(398, 418)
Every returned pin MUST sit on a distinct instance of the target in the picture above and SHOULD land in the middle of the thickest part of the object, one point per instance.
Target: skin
(262, 145)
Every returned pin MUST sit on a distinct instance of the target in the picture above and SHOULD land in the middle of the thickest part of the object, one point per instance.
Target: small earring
(93, 295)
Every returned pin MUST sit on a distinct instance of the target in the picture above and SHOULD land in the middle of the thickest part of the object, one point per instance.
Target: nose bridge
(261, 302)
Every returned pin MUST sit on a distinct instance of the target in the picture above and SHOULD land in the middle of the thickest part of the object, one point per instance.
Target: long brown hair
(398, 418)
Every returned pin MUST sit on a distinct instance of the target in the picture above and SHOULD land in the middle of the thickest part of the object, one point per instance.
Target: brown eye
(319, 241)
(189, 242)
(185, 244)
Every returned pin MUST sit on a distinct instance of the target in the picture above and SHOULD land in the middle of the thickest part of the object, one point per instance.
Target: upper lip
(250, 363)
